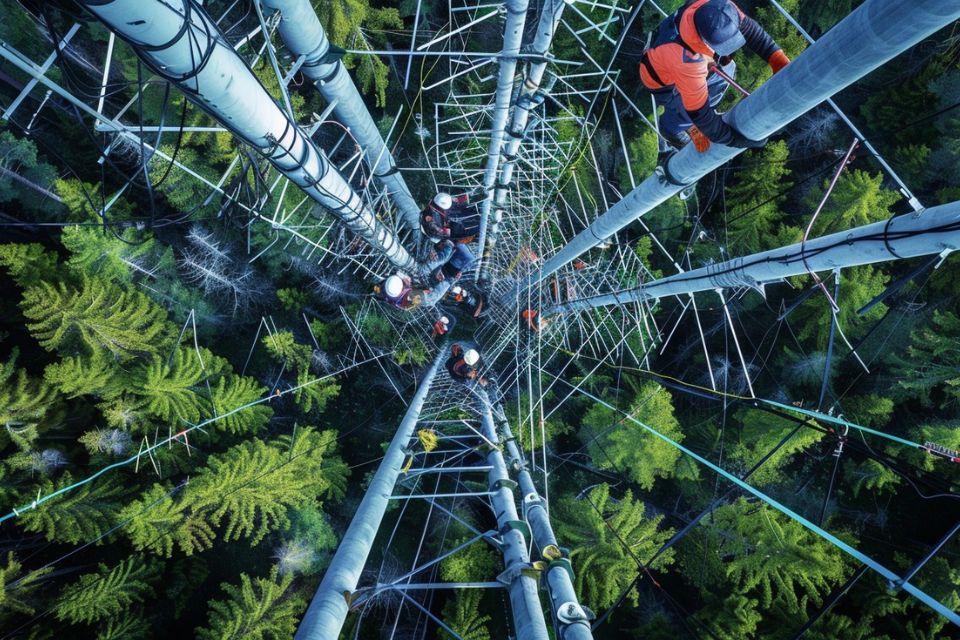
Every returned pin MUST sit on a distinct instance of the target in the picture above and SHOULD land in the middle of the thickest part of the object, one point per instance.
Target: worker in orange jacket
(676, 68)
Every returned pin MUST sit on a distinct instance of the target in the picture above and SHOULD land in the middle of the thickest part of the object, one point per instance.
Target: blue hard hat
(718, 23)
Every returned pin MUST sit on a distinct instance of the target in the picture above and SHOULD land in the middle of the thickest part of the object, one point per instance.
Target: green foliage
(348, 23)
(292, 299)
(759, 433)
(258, 609)
(232, 392)
(871, 477)
(17, 588)
(248, 491)
(462, 614)
(475, 563)
(25, 403)
(607, 537)
(127, 626)
(109, 591)
(94, 374)
(96, 252)
(165, 388)
(28, 264)
(285, 349)
(858, 286)
(76, 516)
(614, 442)
(858, 199)
(770, 557)
(752, 203)
(933, 369)
(23, 176)
(97, 315)
(329, 335)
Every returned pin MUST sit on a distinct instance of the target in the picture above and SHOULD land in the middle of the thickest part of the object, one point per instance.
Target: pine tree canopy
(619, 444)
(258, 609)
(109, 591)
(97, 315)
(608, 537)
(80, 515)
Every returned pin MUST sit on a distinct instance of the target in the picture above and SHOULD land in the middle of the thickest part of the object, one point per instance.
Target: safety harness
(668, 31)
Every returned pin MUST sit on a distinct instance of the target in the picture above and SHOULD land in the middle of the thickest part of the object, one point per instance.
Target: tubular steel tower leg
(523, 589)
(512, 39)
(930, 232)
(328, 610)
(181, 43)
(530, 97)
(871, 35)
(570, 615)
(303, 34)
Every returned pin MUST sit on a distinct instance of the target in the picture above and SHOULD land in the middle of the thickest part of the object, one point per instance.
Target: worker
(433, 218)
(462, 259)
(449, 217)
(397, 290)
(462, 365)
(441, 253)
(444, 324)
(676, 68)
(532, 320)
(473, 302)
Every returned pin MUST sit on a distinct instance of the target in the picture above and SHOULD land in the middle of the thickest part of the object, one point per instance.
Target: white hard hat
(394, 286)
(455, 290)
(443, 200)
(444, 319)
(471, 357)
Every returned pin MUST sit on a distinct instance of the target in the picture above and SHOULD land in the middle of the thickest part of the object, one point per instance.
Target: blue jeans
(443, 255)
(675, 119)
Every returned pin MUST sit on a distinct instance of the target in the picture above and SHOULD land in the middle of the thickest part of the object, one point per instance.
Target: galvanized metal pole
(573, 620)
(930, 232)
(183, 44)
(304, 36)
(871, 35)
(529, 97)
(522, 587)
(328, 610)
(512, 39)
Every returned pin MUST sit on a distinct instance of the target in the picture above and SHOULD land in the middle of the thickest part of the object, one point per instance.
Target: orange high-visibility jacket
(683, 61)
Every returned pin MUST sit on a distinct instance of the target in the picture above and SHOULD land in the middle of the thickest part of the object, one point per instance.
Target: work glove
(778, 60)
(700, 142)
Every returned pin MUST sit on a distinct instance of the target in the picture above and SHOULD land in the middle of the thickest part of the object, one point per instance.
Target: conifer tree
(28, 264)
(936, 348)
(858, 286)
(24, 403)
(258, 609)
(95, 253)
(98, 315)
(248, 490)
(858, 199)
(607, 537)
(17, 588)
(752, 204)
(109, 591)
(759, 434)
(127, 626)
(772, 558)
(94, 374)
(462, 614)
(616, 443)
(232, 392)
(76, 516)
(165, 387)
